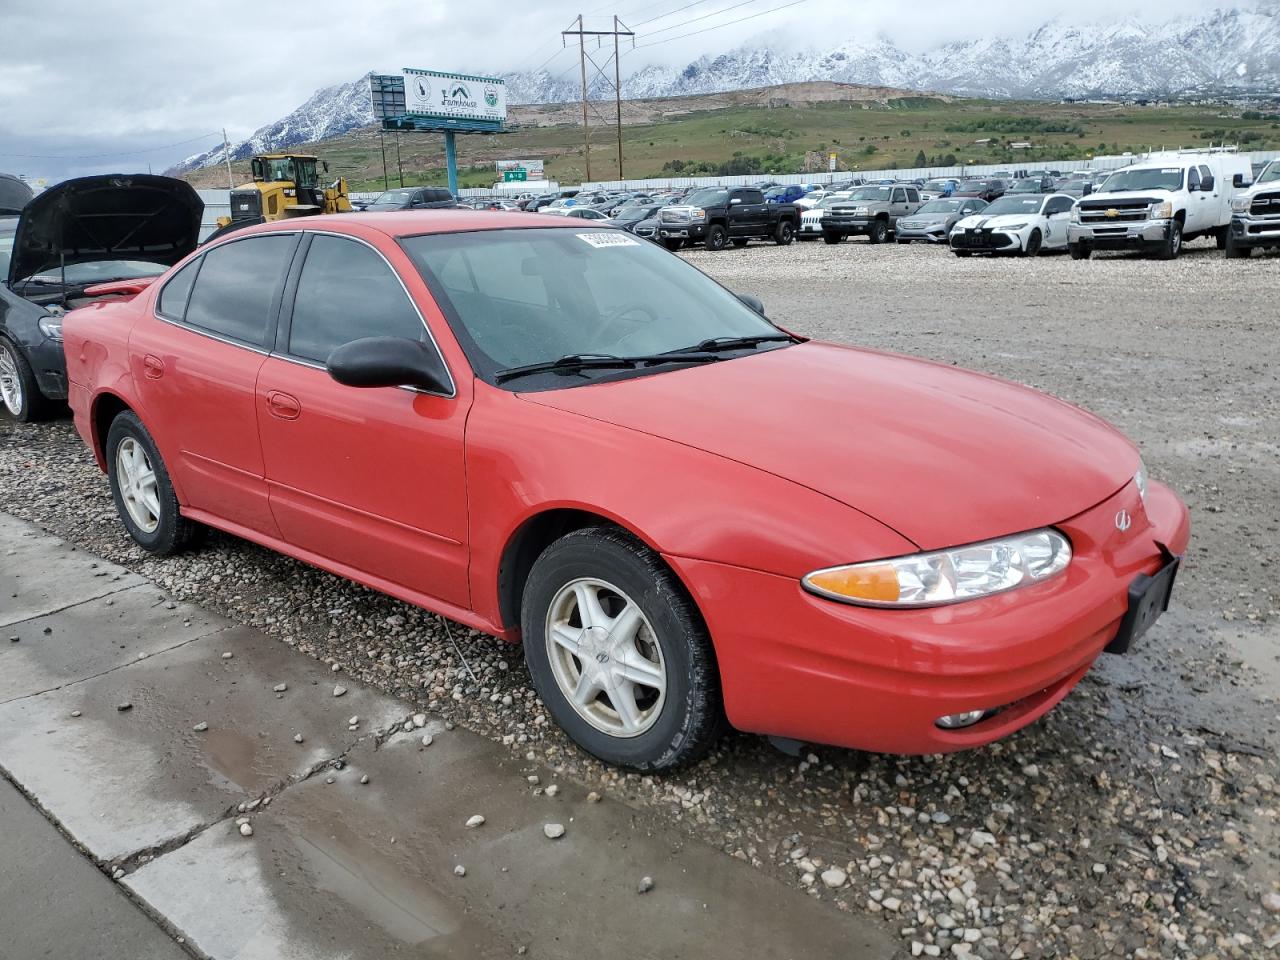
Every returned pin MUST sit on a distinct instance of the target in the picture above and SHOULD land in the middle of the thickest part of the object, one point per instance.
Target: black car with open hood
(82, 232)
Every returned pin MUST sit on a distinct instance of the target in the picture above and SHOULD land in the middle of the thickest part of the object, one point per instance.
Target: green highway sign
(509, 176)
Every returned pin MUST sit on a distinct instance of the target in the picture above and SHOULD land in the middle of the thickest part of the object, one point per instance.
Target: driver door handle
(283, 406)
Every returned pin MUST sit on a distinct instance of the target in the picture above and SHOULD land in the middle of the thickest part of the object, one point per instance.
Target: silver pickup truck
(872, 210)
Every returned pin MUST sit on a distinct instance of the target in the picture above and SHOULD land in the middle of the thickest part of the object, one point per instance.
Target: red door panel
(372, 478)
(199, 395)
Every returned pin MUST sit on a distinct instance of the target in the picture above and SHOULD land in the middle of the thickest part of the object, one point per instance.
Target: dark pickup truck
(718, 216)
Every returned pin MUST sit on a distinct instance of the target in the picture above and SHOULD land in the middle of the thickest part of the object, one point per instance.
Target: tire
(1034, 243)
(784, 233)
(171, 532)
(673, 245)
(1236, 251)
(1220, 237)
(740, 242)
(1172, 244)
(879, 232)
(903, 243)
(1080, 251)
(20, 395)
(717, 237)
(832, 237)
(667, 730)
(963, 253)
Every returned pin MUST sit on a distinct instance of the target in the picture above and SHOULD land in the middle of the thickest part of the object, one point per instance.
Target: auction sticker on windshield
(602, 239)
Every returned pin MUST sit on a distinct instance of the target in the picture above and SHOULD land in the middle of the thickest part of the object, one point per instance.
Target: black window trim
(273, 315)
(280, 347)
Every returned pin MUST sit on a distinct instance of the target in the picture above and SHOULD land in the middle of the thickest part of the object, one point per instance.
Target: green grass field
(865, 136)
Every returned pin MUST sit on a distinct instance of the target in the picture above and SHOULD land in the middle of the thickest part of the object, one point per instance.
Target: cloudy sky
(120, 85)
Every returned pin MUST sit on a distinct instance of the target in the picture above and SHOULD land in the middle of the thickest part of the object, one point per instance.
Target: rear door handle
(152, 367)
(283, 406)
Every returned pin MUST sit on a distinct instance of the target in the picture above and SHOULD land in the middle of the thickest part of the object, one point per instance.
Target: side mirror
(1239, 181)
(389, 362)
(1086, 190)
(1206, 184)
(755, 303)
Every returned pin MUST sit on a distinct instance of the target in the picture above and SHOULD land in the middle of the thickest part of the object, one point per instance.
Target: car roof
(412, 223)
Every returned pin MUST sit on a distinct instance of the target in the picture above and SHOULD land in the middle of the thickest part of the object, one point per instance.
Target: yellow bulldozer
(286, 185)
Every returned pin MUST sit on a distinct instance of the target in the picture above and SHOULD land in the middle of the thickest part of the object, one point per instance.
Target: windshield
(941, 206)
(708, 197)
(635, 213)
(523, 296)
(973, 186)
(393, 198)
(1007, 205)
(1027, 186)
(99, 271)
(871, 193)
(934, 186)
(1150, 178)
(1270, 174)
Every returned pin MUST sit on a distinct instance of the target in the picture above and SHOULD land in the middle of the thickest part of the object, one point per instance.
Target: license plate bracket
(1148, 599)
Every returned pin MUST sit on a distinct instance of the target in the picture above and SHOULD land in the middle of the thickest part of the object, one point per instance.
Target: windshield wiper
(602, 361)
(737, 343)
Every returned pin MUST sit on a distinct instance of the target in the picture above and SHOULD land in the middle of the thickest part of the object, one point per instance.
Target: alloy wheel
(136, 478)
(10, 381)
(606, 657)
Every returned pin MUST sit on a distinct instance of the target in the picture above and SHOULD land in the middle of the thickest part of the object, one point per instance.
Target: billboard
(428, 93)
(510, 171)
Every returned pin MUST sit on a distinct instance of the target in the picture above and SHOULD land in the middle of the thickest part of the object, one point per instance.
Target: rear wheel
(19, 393)
(1172, 244)
(1080, 251)
(142, 490)
(784, 233)
(879, 232)
(717, 237)
(830, 237)
(618, 652)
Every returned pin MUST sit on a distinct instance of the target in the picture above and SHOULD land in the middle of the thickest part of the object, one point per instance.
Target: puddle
(234, 755)
(1259, 648)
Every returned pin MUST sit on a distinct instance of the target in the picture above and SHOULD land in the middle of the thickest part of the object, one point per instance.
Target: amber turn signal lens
(877, 583)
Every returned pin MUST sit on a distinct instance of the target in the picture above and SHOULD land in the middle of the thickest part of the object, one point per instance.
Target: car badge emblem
(1113, 213)
(1123, 521)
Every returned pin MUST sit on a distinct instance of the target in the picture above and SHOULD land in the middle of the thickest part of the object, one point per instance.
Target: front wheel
(829, 237)
(673, 245)
(1221, 237)
(1172, 245)
(618, 652)
(963, 253)
(1234, 250)
(1034, 242)
(879, 232)
(784, 234)
(717, 237)
(143, 493)
(19, 393)
(1080, 251)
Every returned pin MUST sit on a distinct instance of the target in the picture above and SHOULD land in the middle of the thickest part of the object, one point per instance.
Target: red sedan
(559, 433)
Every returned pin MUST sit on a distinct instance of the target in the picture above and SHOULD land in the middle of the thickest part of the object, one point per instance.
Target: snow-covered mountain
(1229, 50)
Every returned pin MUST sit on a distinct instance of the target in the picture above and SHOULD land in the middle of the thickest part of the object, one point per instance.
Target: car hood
(1099, 199)
(113, 217)
(943, 456)
(980, 221)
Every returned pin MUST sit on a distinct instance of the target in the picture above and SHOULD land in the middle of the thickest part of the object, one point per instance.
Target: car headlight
(861, 211)
(946, 576)
(1016, 226)
(1162, 211)
(1241, 204)
(1140, 480)
(51, 327)
(1075, 214)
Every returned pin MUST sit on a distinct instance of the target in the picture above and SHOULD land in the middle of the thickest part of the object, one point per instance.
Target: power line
(663, 16)
(720, 26)
(102, 156)
(713, 13)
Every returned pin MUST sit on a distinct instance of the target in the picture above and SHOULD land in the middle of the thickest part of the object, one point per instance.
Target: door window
(1193, 178)
(347, 292)
(236, 289)
(899, 195)
(913, 195)
(173, 298)
(751, 196)
(1205, 173)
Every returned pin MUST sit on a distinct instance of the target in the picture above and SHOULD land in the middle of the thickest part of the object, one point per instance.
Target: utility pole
(382, 140)
(581, 32)
(226, 155)
(399, 169)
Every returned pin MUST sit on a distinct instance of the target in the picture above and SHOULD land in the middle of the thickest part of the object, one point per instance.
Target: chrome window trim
(453, 384)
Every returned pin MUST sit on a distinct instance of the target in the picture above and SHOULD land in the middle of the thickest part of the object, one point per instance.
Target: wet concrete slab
(350, 870)
(40, 574)
(54, 903)
(93, 637)
(125, 781)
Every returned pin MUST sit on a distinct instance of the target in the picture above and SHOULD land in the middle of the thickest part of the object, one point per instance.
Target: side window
(750, 196)
(913, 195)
(899, 195)
(173, 298)
(1193, 178)
(346, 292)
(237, 285)
(1204, 173)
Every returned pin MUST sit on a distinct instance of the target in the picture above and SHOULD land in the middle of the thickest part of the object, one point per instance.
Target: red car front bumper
(799, 666)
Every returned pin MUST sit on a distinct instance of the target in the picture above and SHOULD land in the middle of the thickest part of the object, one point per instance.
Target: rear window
(173, 298)
(237, 285)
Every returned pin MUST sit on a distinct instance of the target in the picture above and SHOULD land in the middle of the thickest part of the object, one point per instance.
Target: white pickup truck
(1255, 214)
(1159, 203)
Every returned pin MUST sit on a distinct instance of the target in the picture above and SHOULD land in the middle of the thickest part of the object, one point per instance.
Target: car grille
(1122, 211)
(675, 216)
(980, 240)
(1266, 205)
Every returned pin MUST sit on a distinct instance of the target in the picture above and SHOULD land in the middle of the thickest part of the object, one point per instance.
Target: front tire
(879, 232)
(717, 237)
(1236, 251)
(1034, 242)
(784, 234)
(20, 395)
(673, 245)
(1080, 251)
(1172, 245)
(618, 652)
(829, 237)
(142, 491)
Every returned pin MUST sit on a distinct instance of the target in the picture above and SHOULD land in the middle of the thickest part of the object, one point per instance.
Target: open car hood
(111, 217)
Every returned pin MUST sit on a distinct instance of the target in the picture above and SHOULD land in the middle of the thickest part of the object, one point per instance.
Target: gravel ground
(1141, 818)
